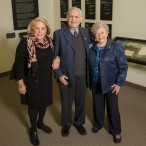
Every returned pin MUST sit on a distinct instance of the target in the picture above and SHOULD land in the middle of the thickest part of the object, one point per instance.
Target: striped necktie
(75, 34)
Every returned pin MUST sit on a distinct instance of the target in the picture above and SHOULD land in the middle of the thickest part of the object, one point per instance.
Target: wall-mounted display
(110, 31)
(23, 12)
(63, 24)
(106, 7)
(90, 7)
(63, 8)
(23, 35)
(76, 3)
(135, 49)
(88, 25)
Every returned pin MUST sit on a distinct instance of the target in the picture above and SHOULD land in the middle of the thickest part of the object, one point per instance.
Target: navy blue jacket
(65, 49)
(113, 65)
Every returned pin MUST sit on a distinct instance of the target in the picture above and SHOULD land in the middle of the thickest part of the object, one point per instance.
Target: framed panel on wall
(63, 8)
(76, 3)
(90, 7)
(106, 8)
(23, 12)
(110, 31)
(135, 49)
(23, 35)
(88, 25)
(63, 24)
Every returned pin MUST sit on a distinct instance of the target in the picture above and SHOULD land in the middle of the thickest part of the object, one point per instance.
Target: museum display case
(135, 49)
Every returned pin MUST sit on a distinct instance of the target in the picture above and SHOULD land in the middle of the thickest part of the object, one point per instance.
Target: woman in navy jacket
(108, 70)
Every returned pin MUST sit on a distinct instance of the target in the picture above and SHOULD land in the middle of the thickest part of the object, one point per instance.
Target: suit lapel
(68, 36)
(84, 37)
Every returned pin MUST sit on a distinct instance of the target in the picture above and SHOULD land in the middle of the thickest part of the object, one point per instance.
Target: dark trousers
(77, 94)
(113, 116)
(36, 116)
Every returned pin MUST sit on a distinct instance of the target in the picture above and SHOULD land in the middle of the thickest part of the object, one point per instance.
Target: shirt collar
(72, 30)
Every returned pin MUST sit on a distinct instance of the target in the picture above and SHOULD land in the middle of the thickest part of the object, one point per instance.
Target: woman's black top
(38, 94)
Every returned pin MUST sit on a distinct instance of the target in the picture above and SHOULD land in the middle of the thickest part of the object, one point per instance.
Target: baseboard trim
(4, 73)
(136, 86)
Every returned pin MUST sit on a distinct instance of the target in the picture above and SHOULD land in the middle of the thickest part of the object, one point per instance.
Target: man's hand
(64, 80)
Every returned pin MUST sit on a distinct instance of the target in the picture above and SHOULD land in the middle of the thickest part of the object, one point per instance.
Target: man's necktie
(75, 34)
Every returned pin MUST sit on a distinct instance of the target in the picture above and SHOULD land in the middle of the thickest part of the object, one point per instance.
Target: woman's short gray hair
(98, 25)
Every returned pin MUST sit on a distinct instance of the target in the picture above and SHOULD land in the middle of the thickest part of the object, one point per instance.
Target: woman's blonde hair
(30, 28)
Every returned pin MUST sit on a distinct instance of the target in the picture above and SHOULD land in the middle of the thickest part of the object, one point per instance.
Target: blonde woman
(33, 71)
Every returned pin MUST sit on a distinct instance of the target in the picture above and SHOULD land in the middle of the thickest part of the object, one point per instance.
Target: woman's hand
(116, 88)
(56, 63)
(22, 87)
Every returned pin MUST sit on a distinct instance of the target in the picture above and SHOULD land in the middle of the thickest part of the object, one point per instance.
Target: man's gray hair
(73, 8)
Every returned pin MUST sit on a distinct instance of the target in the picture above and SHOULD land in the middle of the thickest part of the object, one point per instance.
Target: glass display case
(135, 49)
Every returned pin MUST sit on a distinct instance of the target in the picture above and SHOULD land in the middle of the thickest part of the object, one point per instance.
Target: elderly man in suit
(71, 44)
